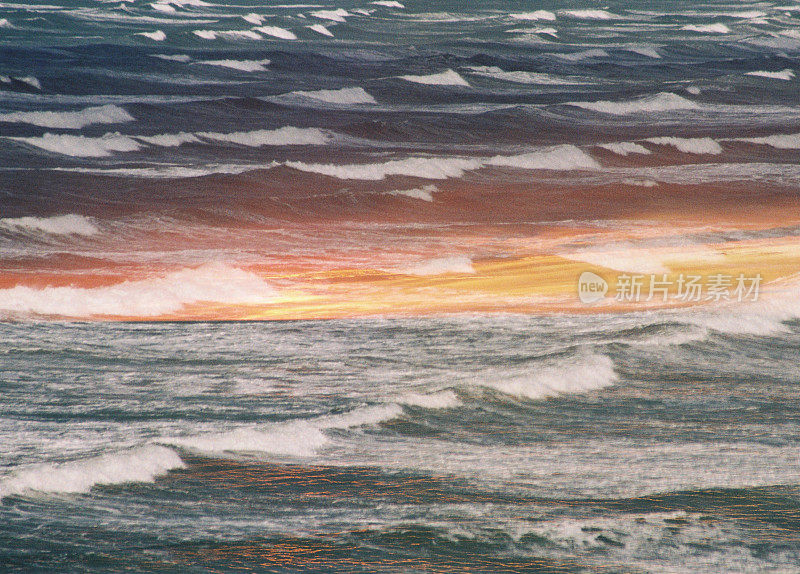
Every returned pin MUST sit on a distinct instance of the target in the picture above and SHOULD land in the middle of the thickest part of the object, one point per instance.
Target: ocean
(399, 286)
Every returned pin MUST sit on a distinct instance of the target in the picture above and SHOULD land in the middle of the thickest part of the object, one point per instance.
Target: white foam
(647, 51)
(108, 114)
(584, 55)
(183, 58)
(780, 141)
(297, 438)
(70, 224)
(707, 28)
(388, 3)
(519, 77)
(549, 31)
(661, 102)
(625, 148)
(241, 65)
(81, 146)
(423, 193)
(163, 7)
(343, 96)
(446, 78)
(337, 15)
(590, 14)
(279, 137)
(620, 256)
(253, 18)
(31, 81)
(441, 266)
(169, 140)
(694, 90)
(580, 374)
(785, 75)
(277, 32)
(141, 464)
(244, 34)
(536, 15)
(640, 182)
(690, 145)
(4, 23)
(170, 171)
(157, 36)
(150, 297)
(205, 34)
(440, 400)
(320, 29)
(565, 157)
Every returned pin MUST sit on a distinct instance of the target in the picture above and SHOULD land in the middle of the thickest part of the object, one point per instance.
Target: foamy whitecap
(169, 140)
(241, 65)
(441, 266)
(583, 55)
(707, 28)
(278, 137)
(661, 102)
(549, 31)
(108, 114)
(277, 32)
(589, 14)
(344, 96)
(320, 29)
(536, 15)
(625, 148)
(785, 75)
(647, 51)
(205, 34)
(70, 224)
(779, 141)
(519, 77)
(183, 58)
(156, 36)
(81, 146)
(707, 146)
(149, 297)
(337, 15)
(579, 374)
(564, 157)
(439, 400)
(142, 464)
(297, 438)
(423, 193)
(4, 23)
(446, 78)
(388, 3)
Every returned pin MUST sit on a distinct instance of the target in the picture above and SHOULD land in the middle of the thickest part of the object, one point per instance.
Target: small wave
(561, 158)
(388, 3)
(169, 171)
(780, 141)
(785, 75)
(441, 266)
(143, 298)
(30, 81)
(583, 55)
(707, 28)
(536, 15)
(320, 29)
(281, 136)
(205, 34)
(169, 140)
(519, 77)
(183, 58)
(625, 148)
(81, 146)
(142, 464)
(4, 23)
(440, 400)
(109, 114)
(590, 14)
(647, 51)
(447, 78)
(343, 96)
(690, 145)
(277, 32)
(549, 31)
(337, 15)
(298, 438)
(69, 224)
(423, 193)
(241, 65)
(661, 102)
(580, 374)
(253, 18)
(621, 256)
(156, 36)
